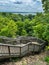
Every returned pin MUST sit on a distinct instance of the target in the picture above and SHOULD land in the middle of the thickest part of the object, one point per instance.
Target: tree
(28, 25)
(24, 33)
(9, 30)
(39, 30)
(20, 27)
(46, 5)
(46, 33)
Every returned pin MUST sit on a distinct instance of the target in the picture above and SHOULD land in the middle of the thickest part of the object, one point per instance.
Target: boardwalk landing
(22, 47)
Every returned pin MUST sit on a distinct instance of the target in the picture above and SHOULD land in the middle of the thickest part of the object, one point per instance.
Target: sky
(21, 6)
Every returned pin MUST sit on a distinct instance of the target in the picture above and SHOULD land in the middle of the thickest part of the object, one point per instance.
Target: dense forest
(13, 25)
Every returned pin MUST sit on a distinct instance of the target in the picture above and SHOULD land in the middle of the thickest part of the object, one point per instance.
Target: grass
(47, 59)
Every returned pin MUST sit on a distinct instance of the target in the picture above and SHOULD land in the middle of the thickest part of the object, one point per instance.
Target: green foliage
(46, 5)
(20, 27)
(28, 27)
(12, 25)
(7, 27)
(47, 59)
(38, 30)
(47, 47)
(46, 33)
(24, 33)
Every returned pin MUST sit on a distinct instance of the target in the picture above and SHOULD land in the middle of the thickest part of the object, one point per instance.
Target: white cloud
(7, 1)
(4, 2)
(27, 5)
(26, 1)
(12, 0)
(39, 0)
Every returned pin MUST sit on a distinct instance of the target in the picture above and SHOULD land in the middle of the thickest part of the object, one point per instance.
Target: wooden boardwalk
(21, 49)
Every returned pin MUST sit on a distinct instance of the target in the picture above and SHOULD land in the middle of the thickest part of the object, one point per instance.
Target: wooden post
(9, 52)
(28, 48)
(20, 51)
(33, 49)
(9, 49)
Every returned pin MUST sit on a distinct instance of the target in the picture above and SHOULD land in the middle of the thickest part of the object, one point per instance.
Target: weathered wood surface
(31, 44)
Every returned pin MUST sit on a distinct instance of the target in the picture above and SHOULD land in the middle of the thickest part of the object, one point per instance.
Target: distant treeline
(12, 25)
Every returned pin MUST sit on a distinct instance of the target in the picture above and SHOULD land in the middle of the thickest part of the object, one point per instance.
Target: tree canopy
(12, 25)
(45, 5)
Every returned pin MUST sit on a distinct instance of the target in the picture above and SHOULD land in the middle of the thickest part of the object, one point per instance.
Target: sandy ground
(37, 59)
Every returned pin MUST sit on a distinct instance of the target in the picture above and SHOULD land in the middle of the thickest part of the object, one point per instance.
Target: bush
(47, 59)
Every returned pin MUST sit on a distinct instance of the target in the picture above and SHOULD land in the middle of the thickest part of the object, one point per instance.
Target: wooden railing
(22, 46)
(7, 50)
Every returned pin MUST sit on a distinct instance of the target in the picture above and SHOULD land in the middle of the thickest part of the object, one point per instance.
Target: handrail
(19, 49)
